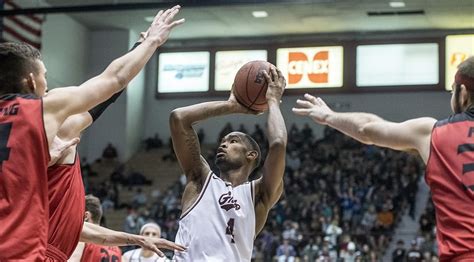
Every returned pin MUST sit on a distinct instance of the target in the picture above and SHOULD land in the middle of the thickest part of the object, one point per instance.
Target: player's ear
(252, 155)
(464, 95)
(30, 83)
(87, 216)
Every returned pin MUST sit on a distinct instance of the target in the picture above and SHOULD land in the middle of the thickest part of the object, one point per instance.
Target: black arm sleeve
(100, 108)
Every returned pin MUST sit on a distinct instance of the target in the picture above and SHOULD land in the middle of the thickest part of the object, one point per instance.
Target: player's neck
(236, 176)
(146, 253)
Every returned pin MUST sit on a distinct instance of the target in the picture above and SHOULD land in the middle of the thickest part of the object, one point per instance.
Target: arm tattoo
(192, 145)
(129, 241)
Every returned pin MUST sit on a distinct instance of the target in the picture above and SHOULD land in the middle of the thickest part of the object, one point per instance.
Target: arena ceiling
(227, 18)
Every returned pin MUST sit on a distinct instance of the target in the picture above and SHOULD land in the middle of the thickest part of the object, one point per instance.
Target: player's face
(41, 85)
(231, 152)
(151, 232)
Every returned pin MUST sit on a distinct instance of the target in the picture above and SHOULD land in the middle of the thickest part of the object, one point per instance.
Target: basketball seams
(253, 97)
(247, 86)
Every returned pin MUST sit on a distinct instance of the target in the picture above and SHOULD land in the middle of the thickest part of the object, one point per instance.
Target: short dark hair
(94, 207)
(254, 146)
(467, 67)
(17, 60)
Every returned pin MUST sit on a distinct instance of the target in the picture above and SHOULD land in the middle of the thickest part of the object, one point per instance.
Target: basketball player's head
(21, 69)
(463, 87)
(151, 230)
(93, 212)
(237, 149)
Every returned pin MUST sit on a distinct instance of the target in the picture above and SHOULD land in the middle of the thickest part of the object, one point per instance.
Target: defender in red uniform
(100, 239)
(446, 146)
(23, 182)
(66, 207)
(24, 209)
(66, 189)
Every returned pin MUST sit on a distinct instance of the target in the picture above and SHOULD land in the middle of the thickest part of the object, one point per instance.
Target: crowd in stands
(423, 247)
(341, 202)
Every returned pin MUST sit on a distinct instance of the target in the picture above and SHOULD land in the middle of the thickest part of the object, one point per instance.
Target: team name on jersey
(10, 110)
(227, 202)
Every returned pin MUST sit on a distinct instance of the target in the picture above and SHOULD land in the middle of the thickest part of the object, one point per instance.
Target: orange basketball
(250, 85)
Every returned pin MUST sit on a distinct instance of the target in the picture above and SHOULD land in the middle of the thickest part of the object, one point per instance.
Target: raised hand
(313, 107)
(239, 108)
(163, 23)
(276, 84)
(59, 148)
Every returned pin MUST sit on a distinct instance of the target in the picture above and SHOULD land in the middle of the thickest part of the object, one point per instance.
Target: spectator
(399, 253)
(286, 252)
(333, 231)
(142, 254)
(385, 218)
(369, 219)
(171, 155)
(131, 222)
(153, 142)
(414, 254)
(139, 199)
(350, 254)
(110, 152)
(136, 178)
(310, 251)
(225, 130)
(243, 129)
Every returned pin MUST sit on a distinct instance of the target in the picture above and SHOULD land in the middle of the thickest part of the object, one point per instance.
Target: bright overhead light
(397, 4)
(149, 18)
(259, 14)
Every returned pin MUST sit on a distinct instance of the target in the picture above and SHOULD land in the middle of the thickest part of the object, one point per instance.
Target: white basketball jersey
(220, 225)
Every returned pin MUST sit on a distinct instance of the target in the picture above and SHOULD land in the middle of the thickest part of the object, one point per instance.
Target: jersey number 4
(230, 230)
(5, 129)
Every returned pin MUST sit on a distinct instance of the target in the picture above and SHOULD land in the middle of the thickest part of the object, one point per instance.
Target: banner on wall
(458, 49)
(229, 62)
(397, 65)
(311, 67)
(183, 72)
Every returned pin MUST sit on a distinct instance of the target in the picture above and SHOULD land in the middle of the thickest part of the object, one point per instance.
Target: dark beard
(224, 165)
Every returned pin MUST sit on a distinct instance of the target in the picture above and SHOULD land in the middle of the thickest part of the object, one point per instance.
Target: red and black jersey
(97, 253)
(24, 160)
(66, 207)
(450, 176)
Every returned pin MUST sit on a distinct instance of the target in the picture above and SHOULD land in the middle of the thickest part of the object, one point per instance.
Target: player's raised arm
(63, 102)
(185, 140)
(368, 128)
(270, 186)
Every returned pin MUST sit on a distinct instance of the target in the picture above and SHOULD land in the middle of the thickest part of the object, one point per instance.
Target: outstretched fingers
(177, 22)
(311, 98)
(166, 244)
(158, 17)
(304, 103)
(301, 111)
(274, 74)
(174, 11)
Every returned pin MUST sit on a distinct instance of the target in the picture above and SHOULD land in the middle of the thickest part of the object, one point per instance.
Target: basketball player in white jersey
(223, 214)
